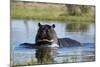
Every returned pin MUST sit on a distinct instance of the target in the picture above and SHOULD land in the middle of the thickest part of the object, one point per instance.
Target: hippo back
(67, 42)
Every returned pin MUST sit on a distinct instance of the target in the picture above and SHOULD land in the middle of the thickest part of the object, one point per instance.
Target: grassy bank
(53, 13)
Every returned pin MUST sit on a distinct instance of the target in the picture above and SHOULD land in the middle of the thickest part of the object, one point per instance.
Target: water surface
(24, 31)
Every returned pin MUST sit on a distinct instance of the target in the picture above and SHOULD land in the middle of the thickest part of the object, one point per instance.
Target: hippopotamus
(47, 37)
(46, 42)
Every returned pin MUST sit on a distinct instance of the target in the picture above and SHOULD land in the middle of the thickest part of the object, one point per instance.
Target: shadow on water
(77, 27)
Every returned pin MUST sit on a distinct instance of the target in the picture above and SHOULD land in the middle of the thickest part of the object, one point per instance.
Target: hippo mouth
(45, 40)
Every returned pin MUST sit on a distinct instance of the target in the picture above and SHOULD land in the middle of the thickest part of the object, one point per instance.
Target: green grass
(48, 14)
(32, 62)
(65, 59)
(74, 59)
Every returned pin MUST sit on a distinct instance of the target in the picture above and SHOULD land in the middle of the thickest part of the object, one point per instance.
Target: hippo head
(46, 34)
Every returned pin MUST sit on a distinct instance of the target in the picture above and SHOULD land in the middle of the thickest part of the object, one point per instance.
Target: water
(24, 31)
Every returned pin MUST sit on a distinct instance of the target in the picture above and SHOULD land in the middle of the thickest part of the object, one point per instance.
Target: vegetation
(71, 59)
(55, 12)
(65, 60)
(74, 58)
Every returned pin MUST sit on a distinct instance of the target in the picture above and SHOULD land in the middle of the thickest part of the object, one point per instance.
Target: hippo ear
(53, 25)
(39, 24)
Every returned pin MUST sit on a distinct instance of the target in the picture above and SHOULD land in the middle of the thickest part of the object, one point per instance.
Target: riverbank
(48, 12)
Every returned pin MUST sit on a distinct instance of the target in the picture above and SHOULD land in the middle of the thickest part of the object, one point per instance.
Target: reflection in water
(77, 27)
(27, 28)
(45, 55)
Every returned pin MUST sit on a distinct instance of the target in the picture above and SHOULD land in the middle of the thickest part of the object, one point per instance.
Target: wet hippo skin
(67, 42)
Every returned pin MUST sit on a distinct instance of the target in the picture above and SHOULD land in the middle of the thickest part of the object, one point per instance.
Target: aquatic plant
(74, 58)
(65, 60)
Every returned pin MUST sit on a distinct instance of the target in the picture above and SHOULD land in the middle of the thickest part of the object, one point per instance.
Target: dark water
(24, 31)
